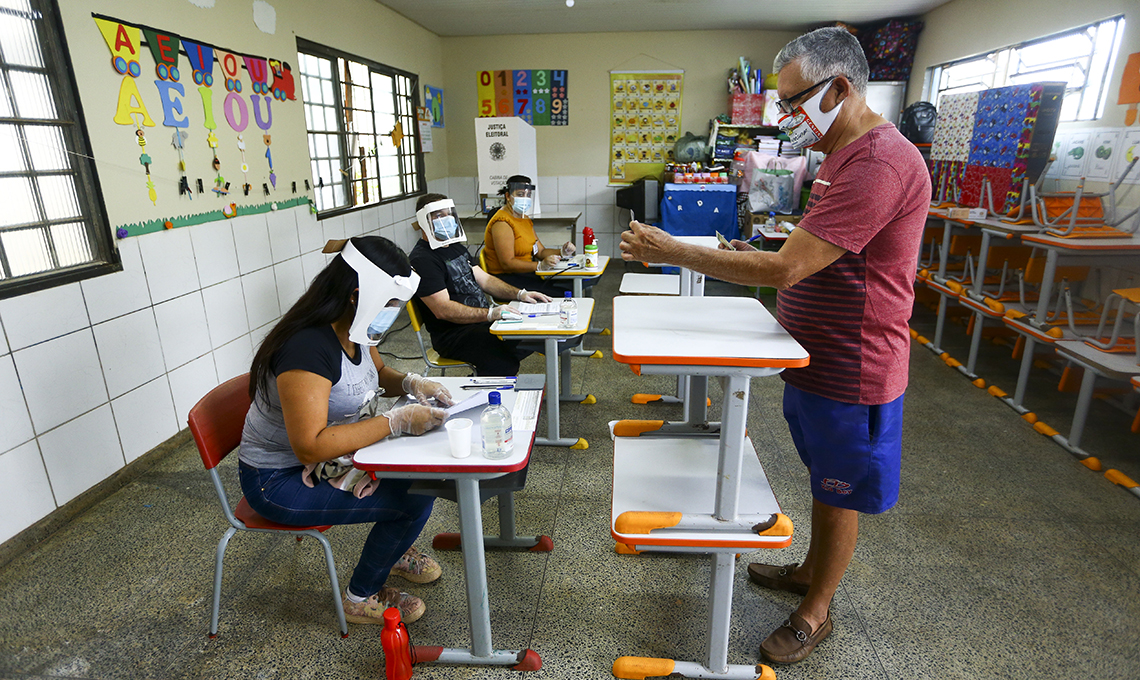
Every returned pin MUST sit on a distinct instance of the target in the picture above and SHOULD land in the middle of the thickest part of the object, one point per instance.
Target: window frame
(1004, 59)
(77, 145)
(321, 51)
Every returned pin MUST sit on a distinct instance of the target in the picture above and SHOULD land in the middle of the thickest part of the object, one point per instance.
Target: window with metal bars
(1083, 58)
(53, 226)
(352, 108)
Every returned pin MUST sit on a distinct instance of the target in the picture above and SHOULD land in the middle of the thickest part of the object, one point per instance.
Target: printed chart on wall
(645, 121)
(538, 96)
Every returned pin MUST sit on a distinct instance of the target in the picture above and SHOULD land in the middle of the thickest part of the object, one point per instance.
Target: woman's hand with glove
(424, 390)
(414, 419)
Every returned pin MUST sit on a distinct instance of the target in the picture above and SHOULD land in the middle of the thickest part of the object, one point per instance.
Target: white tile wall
(129, 350)
(120, 293)
(354, 223)
(214, 252)
(463, 190)
(182, 329)
(291, 282)
(598, 191)
(251, 236)
(334, 228)
(145, 417)
(15, 423)
(572, 190)
(152, 336)
(44, 315)
(24, 471)
(380, 217)
(190, 383)
(283, 243)
(260, 297)
(547, 191)
(81, 453)
(225, 312)
(62, 379)
(233, 359)
(168, 258)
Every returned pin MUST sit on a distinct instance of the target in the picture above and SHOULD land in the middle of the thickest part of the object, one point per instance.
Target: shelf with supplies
(715, 128)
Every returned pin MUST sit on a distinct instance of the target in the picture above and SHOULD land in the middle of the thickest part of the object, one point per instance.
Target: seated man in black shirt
(452, 293)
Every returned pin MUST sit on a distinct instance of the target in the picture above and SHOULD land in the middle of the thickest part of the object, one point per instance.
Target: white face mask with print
(807, 124)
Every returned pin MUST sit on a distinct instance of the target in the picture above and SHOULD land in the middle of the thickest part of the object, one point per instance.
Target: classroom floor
(1004, 558)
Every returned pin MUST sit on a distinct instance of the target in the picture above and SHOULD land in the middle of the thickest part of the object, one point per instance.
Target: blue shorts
(853, 451)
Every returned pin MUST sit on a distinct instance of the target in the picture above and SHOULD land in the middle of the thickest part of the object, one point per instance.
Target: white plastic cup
(459, 436)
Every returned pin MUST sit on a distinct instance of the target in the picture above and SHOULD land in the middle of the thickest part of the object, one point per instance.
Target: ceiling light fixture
(569, 3)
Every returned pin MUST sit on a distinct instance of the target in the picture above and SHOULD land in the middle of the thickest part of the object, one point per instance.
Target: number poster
(537, 96)
(645, 121)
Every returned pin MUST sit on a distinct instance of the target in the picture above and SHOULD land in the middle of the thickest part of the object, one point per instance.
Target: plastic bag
(771, 190)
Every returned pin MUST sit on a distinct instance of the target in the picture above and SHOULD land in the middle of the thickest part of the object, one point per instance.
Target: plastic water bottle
(498, 439)
(568, 312)
(397, 646)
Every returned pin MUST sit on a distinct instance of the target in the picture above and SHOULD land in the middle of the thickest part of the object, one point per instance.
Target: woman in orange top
(512, 250)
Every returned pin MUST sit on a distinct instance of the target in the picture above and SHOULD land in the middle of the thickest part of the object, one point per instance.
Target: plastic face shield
(376, 289)
(520, 190)
(440, 223)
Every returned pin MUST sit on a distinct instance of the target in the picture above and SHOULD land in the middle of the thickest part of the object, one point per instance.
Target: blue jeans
(281, 496)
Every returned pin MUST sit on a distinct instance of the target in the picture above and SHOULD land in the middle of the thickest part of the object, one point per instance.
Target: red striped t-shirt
(870, 198)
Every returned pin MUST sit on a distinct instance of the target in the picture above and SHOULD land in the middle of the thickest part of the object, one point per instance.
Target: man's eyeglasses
(785, 105)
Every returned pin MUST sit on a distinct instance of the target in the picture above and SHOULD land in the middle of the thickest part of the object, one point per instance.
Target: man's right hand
(645, 243)
(414, 419)
(740, 245)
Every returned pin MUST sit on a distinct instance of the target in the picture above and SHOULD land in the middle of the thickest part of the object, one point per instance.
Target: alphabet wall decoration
(264, 80)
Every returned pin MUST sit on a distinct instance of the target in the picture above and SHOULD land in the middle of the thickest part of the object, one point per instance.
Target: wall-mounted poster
(645, 122)
(433, 100)
(538, 96)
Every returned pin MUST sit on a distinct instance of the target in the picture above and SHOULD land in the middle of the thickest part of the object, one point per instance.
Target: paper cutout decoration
(397, 134)
(144, 160)
(1130, 88)
(179, 142)
(433, 100)
(244, 166)
(283, 85)
(256, 101)
(264, 17)
(164, 49)
(269, 156)
(171, 105)
(258, 70)
(230, 69)
(123, 41)
(201, 58)
(537, 96)
(131, 104)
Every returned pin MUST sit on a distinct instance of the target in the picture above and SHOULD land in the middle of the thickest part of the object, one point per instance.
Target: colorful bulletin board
(538, 96)
(1003, 134)
(645, 121)
(179, 86)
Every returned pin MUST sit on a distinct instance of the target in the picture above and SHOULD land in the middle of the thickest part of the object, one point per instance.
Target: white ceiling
(498, 17)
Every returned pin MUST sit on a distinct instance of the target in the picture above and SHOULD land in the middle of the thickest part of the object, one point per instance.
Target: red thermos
(397, 646)
(588, 236)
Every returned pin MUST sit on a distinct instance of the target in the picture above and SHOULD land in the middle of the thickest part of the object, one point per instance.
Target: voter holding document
(512, 250)
(312, 383)
(452, 293)
(845, 280)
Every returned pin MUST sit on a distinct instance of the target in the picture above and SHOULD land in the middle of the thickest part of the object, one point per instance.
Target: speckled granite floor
(1003, 559)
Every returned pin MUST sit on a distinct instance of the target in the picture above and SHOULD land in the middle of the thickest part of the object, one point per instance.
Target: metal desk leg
(734, 414)
(980, 271)
(975, 342)
(944, 256)
(508, 536)
(940, 324)
(1022, 376)
(553, 396)
(478, 606)
(1084, 401)
(1046, 288)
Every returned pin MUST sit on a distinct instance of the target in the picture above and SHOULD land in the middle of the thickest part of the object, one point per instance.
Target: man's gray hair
(827, 52)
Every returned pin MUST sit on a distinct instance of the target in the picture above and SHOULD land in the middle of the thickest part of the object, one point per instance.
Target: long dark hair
(326, 300)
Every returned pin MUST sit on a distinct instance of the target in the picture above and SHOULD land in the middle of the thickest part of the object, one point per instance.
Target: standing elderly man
(846, 279)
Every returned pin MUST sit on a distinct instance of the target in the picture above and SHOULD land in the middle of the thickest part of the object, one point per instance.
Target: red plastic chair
(216, 423)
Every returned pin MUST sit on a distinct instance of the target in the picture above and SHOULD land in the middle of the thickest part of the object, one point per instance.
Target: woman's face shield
(379, 297)
(522, 197)
(440, 222)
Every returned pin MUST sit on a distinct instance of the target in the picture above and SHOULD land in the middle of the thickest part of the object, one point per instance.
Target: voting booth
(505, 147)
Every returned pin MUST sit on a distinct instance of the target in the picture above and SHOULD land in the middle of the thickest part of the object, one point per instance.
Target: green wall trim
(151, 226)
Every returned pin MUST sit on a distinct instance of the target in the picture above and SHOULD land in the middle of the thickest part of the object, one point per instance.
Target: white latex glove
(551, 261)
(502, 312)
(568, 249)
(414, 419)
(423, 389)
(532, 296)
